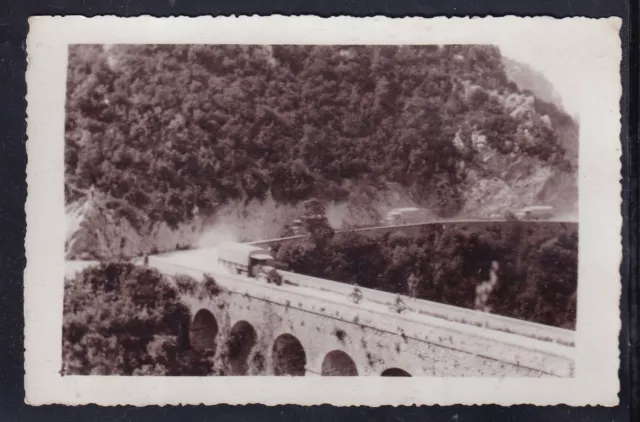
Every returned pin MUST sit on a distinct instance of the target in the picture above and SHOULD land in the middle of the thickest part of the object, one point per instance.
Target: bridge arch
(203, 331)
(395, 372)
(288, 356)
(242, 340)
(338, 363)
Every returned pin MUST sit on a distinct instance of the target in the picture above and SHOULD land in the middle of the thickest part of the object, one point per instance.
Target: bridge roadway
(407, 228)
(336, 336)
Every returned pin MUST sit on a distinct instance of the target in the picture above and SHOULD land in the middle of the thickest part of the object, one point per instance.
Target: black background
(13, 191)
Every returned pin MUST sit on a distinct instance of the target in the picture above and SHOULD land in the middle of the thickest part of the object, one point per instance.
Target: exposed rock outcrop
(98, 228)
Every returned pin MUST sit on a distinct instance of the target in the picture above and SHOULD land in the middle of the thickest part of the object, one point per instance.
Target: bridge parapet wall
(376, 232)
(428, 339)
(439, 310)
(373, 337)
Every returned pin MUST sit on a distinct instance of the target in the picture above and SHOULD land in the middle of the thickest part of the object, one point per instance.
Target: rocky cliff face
(529, 79)
(501, 177)
(96, 229)
(509, 183)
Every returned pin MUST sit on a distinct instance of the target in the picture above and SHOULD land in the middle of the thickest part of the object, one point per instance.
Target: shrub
(211, 287)
(340, 334)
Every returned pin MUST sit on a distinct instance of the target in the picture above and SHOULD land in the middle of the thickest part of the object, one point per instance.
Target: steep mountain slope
(531, 80)
(101, 228)
(180, 133)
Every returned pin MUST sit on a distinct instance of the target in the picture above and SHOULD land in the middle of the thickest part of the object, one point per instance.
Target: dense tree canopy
(537, 277)
(120, 319)
(179, 129)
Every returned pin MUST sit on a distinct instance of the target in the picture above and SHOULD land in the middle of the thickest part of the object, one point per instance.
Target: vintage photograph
(240, 210)
(317, 210)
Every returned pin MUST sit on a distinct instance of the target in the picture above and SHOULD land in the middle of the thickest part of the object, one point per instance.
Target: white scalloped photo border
(586, 51)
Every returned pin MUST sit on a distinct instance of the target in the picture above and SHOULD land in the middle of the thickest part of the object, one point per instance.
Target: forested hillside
(176, 131)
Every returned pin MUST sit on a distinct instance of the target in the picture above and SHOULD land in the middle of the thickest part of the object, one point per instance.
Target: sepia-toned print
(297, 210)
(317, 210)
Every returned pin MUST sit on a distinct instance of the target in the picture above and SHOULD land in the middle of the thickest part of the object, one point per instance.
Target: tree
(120, 319)
(314, 208)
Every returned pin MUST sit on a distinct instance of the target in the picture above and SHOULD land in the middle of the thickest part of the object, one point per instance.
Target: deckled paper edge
(44, 176)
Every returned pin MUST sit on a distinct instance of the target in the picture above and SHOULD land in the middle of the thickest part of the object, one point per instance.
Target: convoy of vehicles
(256, 262)
(250, 261)
(415, 215)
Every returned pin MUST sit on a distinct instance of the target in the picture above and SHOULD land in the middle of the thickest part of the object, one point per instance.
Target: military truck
(250, 261)
(408, 215)
(535, 212)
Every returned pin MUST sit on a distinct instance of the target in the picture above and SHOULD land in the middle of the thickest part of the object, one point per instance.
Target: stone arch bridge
(310, 326)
